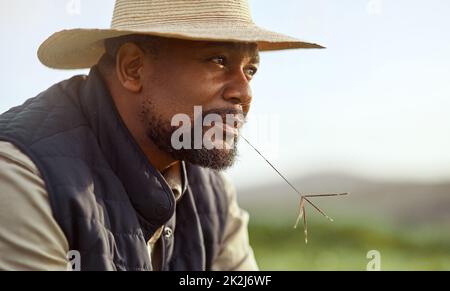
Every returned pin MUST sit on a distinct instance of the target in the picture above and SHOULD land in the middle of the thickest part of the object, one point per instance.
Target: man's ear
(129, 67)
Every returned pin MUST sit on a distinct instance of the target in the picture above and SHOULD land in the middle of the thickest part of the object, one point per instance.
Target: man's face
(184, 74)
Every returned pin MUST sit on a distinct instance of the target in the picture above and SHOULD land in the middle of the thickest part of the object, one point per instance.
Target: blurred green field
(338, 246)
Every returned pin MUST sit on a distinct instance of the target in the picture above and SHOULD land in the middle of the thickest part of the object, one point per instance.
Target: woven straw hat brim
(82, 48)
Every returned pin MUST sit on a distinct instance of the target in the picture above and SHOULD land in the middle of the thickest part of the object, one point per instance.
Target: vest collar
(147, 189)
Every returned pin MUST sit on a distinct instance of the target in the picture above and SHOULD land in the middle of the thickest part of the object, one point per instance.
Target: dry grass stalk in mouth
(303, 198)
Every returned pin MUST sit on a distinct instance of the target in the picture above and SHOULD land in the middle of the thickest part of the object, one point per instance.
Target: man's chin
(213, 159)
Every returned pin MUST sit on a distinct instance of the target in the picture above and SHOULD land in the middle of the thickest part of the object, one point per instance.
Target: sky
(375, 103)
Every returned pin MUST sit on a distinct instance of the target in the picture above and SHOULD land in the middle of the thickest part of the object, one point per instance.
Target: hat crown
(143, 13)
(196, 20)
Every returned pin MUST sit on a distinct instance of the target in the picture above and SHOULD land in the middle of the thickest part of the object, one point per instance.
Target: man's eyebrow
(255, 59)
(234, 46)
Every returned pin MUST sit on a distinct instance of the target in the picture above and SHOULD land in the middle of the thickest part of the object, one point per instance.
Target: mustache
(224, 112)
(232, 117)
(239, 115)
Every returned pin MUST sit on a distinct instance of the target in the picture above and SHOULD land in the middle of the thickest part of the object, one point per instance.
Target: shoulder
(21, 185)
(28, 231)
(53, 110)
(11, 157)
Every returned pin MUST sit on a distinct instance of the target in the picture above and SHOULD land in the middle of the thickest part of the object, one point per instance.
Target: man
(92, 164)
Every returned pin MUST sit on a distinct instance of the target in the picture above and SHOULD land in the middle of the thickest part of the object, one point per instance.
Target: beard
(160, 132)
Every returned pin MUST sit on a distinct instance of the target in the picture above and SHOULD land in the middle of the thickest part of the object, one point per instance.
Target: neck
(158, 158)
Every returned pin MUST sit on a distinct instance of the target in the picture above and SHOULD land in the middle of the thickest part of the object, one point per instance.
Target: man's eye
(220, 60)
(251, 71)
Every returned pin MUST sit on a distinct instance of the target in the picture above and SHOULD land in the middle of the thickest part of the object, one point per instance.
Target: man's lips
(229, 121)
(228, 128)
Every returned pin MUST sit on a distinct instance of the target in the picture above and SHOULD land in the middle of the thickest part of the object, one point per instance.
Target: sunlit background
(369, 115)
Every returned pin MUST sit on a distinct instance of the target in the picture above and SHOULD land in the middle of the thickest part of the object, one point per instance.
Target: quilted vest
(104, 194)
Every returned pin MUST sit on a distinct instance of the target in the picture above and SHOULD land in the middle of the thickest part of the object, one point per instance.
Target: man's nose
(238, 90)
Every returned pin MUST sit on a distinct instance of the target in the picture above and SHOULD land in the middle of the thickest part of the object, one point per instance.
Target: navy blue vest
(105, 195)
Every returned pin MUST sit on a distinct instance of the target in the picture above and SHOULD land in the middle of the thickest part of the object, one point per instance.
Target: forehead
(247, 49)
(228, 45)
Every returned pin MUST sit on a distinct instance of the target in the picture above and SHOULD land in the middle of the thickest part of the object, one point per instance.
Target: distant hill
(398, 202)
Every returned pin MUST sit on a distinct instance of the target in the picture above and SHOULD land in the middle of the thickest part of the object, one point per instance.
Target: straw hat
(212, 20)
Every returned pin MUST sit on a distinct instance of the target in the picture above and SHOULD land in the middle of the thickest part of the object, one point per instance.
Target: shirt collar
(146, 188)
